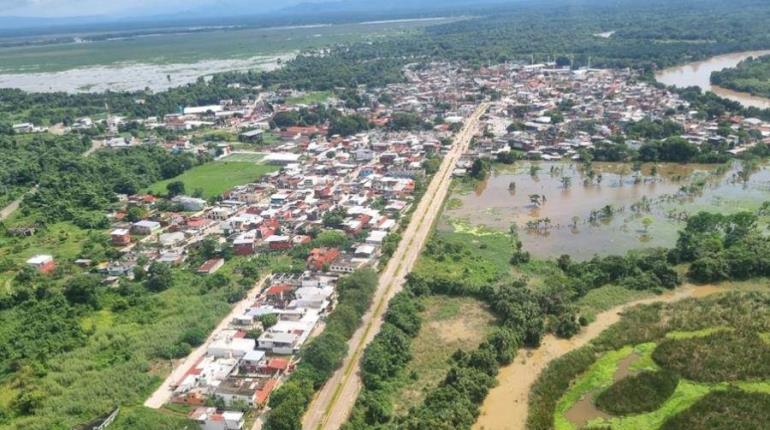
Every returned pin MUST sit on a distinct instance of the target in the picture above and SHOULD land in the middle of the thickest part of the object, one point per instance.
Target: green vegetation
(310, 98)
(77, 189)
(643, 392)
(724, 410)
(652, 397)
(212, 179)
(750, 76)
(725, 356)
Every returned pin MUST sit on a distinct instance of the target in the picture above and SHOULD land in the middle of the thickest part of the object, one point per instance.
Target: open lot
(212, 179)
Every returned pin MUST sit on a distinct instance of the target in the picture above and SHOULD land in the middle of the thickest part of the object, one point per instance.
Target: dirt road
(332, 405)
(10, 209)
(163, 394)
(505, 408)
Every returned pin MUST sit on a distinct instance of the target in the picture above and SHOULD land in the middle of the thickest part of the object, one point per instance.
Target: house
(209, 418)
(42, 263)
(229, 344)
(251, 391)
(145, 227)
(211, 266)
(321, 257)
(253, 360)
(278, 243)
(245, 243)
(279, 343)
(121, 237)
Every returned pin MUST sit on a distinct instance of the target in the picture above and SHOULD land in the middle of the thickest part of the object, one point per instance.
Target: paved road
(331, 407)
(162, 395)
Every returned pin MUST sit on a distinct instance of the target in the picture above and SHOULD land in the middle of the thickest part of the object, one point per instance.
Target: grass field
(449, 324)
(311, 98)
(215, 178)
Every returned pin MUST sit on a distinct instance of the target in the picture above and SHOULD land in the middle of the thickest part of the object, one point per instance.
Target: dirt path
(333, 403)
(10, 209)
(505, 408)
(162, 395)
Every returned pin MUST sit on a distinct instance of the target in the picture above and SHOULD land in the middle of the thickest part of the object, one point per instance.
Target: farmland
(212, 179)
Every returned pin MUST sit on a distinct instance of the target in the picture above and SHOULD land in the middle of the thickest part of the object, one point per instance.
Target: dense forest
(749, 76)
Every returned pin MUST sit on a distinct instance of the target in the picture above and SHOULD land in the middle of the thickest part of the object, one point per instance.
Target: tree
(268, 320)
(647, 222)
(159, 277)
(83, 290)
(566, 182)
(135, 213)
(175, 188)
(535, 199)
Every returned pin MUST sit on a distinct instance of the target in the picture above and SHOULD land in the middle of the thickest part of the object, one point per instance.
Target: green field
(311, 98)
(215, 178)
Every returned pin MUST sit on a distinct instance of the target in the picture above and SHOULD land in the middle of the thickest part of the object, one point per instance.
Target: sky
(69, 8)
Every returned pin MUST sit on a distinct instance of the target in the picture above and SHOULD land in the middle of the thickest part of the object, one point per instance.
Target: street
(162, 395)
(332, 405)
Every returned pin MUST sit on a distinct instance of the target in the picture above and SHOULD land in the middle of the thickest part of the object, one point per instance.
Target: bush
(724, 410)
(635, 394)
(724, 356)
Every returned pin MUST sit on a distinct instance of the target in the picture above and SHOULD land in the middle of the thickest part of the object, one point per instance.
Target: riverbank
(506, 406)
(698, 73)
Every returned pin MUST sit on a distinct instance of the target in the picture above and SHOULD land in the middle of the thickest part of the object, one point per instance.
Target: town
(337, 197)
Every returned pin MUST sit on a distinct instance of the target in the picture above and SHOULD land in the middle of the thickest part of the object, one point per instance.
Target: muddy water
(505, 408)
(571, 229)
(699, 74)
(585, 409)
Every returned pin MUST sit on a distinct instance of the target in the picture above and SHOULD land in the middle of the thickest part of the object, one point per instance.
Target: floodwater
(505, 408)
(133, 76)
(699, 74)
(585, 409)
(607, 212)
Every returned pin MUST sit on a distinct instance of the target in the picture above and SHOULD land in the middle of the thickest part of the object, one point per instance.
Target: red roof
(277, 364)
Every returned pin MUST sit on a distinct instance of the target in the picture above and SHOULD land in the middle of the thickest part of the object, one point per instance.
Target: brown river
(699, 74)
(505, 408)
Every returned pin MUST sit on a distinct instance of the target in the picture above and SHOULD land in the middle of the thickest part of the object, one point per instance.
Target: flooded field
(167, 59)
(133, 76)
(563, 208)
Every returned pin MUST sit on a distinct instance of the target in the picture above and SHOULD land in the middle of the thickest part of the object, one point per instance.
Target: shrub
(644, 392)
